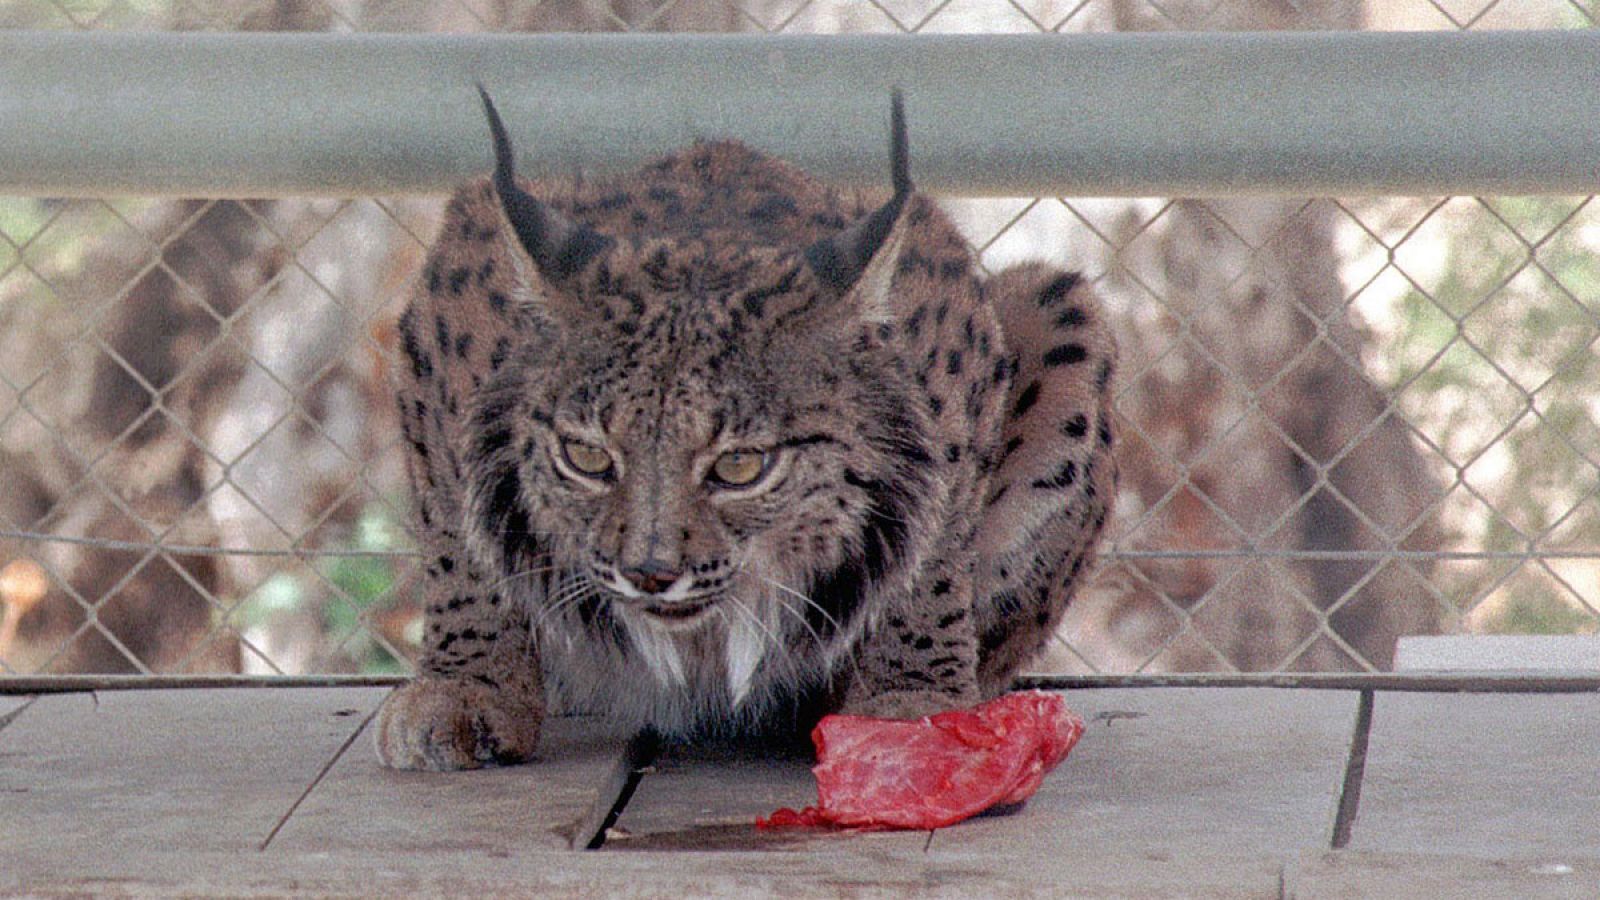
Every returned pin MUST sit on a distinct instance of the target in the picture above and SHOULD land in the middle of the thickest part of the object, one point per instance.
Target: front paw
(440, 724)
(907, 704)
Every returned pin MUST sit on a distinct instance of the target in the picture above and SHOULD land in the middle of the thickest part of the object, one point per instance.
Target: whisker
(792, 667)
(772, 638)
(807, 601)
(568, 594)
(855, 664)
(504, 580)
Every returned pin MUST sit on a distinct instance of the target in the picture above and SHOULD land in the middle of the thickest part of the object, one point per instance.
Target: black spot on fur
(1026, 400)
(914, 321)
(1076, 427)
(773, 207)
(1057, 290)
(458, 280)
(421, 362)
(508, 521)
(1072, 317)
(887, 529)
(913, 262)
(1064, 477)
(1004, 369)
(1065, 355)
(441, 334)
(836, 596)
(755, 301)
(496, 439)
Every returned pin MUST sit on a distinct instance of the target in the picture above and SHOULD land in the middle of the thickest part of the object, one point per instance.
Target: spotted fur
(938, 456)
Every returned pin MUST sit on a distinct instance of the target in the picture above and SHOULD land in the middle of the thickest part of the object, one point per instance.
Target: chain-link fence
(1343, 421)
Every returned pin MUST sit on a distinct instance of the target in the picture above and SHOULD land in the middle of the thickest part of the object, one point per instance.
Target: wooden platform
(1172, 791)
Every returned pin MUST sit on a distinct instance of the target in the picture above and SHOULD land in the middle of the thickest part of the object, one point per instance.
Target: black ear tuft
(557, 245)
(899, 151)
(839, 261)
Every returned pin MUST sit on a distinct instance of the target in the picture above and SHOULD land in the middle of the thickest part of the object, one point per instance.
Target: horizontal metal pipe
(1090, 114)
(1492, 682)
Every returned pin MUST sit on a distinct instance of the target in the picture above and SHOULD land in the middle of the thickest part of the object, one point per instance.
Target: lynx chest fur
(717, 448)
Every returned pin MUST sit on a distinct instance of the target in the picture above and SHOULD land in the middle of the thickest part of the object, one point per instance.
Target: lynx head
(701, 431)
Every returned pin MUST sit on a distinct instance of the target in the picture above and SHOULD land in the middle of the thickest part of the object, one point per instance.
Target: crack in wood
(631, 767)
(326, 768)
(8, 718)
(1355, 769)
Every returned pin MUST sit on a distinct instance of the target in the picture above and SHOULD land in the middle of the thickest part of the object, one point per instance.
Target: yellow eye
(739, 468)
(588, 460)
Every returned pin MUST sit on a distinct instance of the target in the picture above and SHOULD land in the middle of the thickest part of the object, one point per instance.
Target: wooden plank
(854, 869)
(1197, 770)
(360, 805)
(137, 771)
(10, 706)
(1482, 775)
(708, 798)
(1498, 652)
(1337, 875)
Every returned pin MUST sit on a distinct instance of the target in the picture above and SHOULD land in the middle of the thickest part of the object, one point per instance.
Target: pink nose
(651, 576)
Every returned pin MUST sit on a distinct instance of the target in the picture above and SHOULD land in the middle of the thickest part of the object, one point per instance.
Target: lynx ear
(557, 245)
(860, 260)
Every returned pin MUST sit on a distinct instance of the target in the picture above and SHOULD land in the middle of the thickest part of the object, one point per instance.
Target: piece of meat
(935, 771)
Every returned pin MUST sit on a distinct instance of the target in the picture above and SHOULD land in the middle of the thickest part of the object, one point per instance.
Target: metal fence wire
(1342, 420)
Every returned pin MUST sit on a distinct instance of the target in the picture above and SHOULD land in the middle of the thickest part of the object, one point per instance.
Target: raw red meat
(935, 771)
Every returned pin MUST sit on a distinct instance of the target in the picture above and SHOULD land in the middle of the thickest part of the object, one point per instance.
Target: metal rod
(1465, 682)
(1495, 682)
(1325, 113)
(1109, 554)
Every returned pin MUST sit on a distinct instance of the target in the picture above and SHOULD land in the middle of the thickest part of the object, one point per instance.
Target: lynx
(716, 448)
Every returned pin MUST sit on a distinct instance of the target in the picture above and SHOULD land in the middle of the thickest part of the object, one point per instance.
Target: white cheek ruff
(747, 644)
(678, 592)
(614, 581)
(658, 648)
